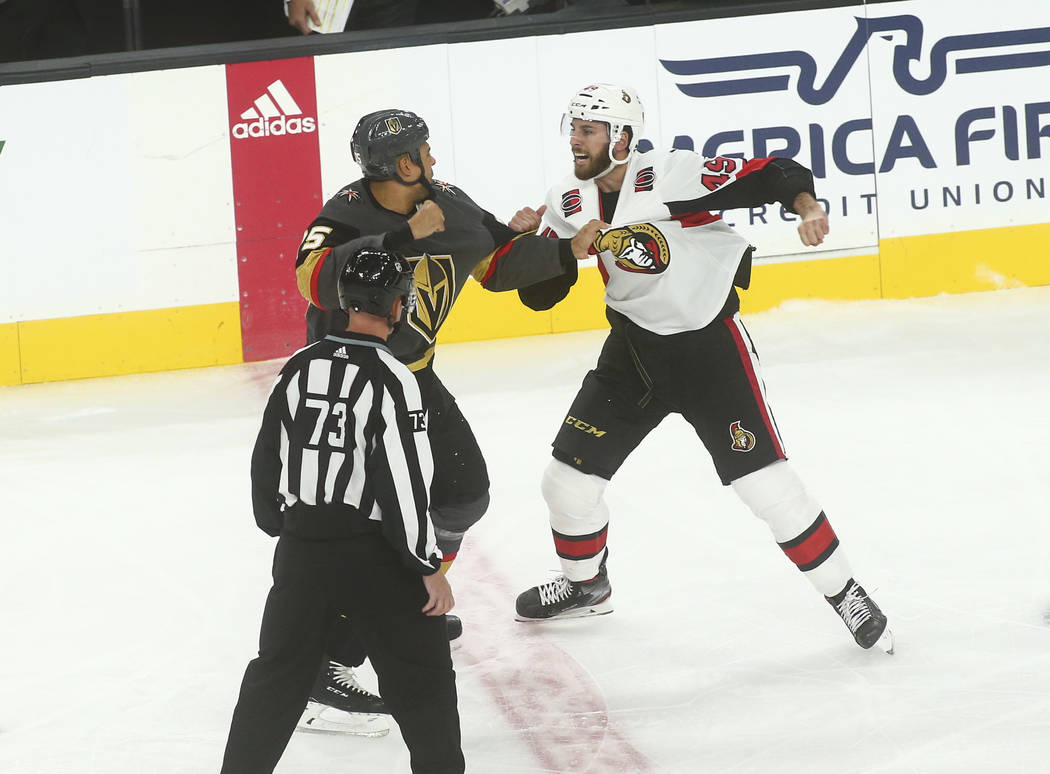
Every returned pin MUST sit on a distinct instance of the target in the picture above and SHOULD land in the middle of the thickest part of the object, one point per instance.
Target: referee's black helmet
(373, 279)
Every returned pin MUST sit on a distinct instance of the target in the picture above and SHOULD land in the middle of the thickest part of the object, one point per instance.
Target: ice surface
(133, 577)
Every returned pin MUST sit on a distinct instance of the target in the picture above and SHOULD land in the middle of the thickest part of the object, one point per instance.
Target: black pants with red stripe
(709, 376)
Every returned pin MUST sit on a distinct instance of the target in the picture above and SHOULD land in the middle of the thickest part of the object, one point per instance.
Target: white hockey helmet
(617, 106)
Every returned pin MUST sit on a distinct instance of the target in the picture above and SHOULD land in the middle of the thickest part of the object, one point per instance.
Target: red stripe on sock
(813, 546)
(581, 548)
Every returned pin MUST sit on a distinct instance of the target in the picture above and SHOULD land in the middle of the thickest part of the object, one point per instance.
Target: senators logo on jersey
(639, 248)
(435, 277)
(743, 440)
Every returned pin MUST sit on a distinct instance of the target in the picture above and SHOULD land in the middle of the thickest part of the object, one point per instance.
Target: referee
(341, 471)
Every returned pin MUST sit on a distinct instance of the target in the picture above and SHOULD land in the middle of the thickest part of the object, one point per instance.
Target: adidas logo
(341, 352)
(275, 113)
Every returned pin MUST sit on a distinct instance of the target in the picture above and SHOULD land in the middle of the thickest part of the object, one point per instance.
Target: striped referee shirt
(343, 450)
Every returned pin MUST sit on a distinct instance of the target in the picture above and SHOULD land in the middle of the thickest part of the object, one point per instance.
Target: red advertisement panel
(277, 192)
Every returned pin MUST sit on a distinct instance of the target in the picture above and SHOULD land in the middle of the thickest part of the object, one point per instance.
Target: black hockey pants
(313, 583)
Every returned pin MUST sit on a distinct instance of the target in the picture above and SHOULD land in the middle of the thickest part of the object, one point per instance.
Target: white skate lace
(344, 676)
(555, 590)
(854, 609)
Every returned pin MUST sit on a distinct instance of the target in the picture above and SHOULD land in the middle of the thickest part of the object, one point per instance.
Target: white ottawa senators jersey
(667, 261)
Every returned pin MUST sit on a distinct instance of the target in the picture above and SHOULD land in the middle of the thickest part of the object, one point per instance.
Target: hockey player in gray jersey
(398, 204)
(676, 345)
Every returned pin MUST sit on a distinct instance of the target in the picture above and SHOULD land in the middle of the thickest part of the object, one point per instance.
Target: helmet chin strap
(421, 180)
(613, 162)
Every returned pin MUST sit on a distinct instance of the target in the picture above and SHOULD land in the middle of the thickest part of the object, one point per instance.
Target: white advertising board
(962, 114)
(116, 195)
(916, 117)
(352, 85)
(741, 87)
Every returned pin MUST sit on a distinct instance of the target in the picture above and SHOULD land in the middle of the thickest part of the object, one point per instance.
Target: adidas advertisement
(276, 165)
(274, 113)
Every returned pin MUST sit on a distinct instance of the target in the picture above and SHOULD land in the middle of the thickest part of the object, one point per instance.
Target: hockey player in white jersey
(671, 266)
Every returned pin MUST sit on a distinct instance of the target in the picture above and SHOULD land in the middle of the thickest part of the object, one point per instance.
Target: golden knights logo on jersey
(435, 277)
(639, 248)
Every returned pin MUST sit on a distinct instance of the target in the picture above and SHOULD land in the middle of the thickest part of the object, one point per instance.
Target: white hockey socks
(776, 495)
(579, 518)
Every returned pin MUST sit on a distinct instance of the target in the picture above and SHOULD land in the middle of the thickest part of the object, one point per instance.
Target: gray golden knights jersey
(669, 262)
(474, 243)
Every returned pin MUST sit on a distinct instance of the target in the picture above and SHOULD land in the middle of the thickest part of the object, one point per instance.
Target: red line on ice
(542, 692)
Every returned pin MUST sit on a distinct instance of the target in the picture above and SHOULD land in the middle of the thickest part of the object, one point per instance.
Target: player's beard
(595, 165)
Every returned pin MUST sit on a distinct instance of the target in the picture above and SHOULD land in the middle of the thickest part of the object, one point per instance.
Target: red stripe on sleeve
(691, 219)
(752, 165)
(315, 298)
(502, 251)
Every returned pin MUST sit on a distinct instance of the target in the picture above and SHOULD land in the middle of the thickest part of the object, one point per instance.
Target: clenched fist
(527, 219)
(429, 219)
(814, 226)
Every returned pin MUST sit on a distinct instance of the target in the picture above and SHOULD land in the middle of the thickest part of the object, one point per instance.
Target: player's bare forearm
(814, 226)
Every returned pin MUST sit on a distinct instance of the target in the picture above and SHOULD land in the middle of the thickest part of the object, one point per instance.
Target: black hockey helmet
(373, 279)
(384, 136)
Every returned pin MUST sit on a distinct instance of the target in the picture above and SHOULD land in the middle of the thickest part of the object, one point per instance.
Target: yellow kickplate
(130, 342)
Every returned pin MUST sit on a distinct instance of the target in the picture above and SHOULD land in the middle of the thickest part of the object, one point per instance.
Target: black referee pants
(362, 578)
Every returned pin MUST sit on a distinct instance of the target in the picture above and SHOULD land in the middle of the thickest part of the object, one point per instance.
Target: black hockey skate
(339, 704)
(862, 617)
(563, 598)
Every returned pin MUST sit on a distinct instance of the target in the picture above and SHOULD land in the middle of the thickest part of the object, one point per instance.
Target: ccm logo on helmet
(571, 202)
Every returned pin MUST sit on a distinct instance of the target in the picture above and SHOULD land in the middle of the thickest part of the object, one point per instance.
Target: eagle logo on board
(435, 277)
(743, 440)
(639, 248)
